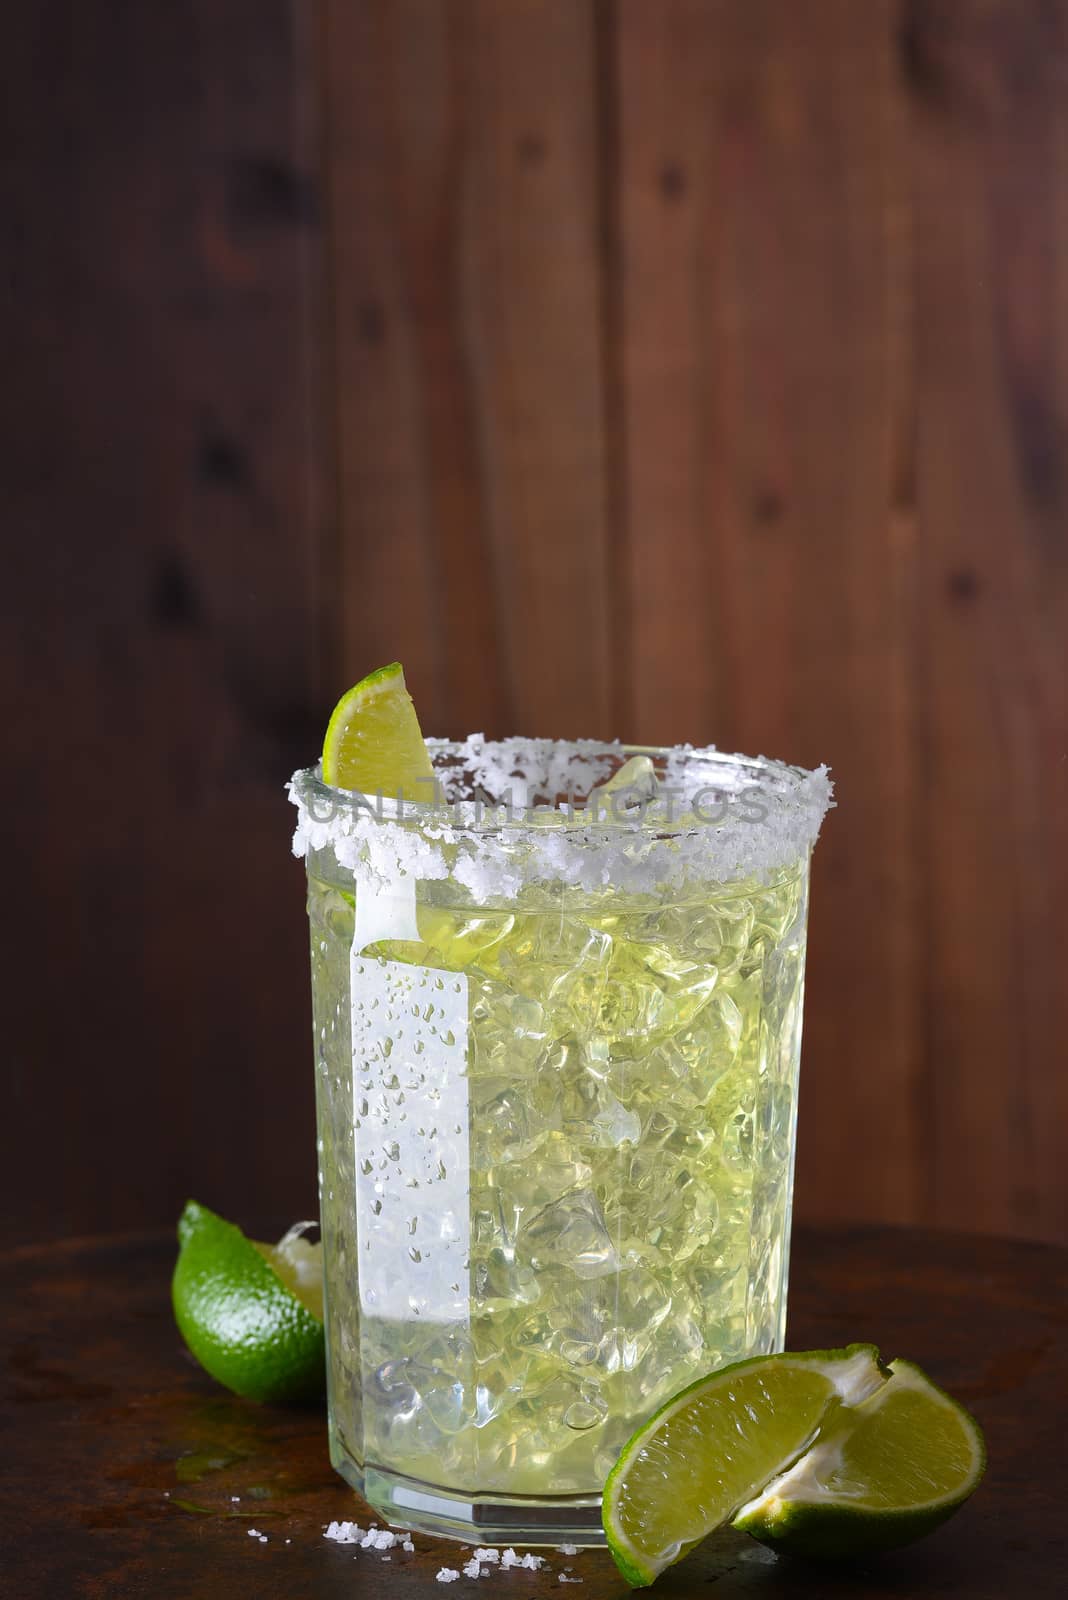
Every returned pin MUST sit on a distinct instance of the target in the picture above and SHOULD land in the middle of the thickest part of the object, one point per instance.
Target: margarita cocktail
(557, 1045)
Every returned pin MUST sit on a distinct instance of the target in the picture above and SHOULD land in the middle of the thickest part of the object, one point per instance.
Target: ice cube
(571, 1233)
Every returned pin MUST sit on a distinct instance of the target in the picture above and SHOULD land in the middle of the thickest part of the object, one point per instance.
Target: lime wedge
(884, 1474)
(635, 781)
(373, 741)
(715, 1445)
(250, 1313)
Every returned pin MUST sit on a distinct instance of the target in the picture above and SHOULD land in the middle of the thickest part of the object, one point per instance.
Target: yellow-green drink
(556, 1072)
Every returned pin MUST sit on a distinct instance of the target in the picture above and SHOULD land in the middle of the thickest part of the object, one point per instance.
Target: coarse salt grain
(378, 1539)
(562, 1577)
(408, 1545)
(345, 1533)
(568, 1549)
(448, 1575)
(472, 1568)
(485, 1554)
(532, 1563)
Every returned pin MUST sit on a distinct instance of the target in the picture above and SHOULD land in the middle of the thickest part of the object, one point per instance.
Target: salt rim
(770, 816)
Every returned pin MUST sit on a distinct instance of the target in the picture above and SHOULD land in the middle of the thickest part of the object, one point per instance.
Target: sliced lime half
(883, 1474)
(250, 1313)
(714, 1447)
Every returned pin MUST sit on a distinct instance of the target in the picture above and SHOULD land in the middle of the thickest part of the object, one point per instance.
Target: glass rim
(772, 789)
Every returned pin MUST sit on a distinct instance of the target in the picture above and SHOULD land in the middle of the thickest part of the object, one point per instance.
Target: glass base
(485, 1519)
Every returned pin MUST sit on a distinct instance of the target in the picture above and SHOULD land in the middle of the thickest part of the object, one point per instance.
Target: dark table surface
(122, 1460)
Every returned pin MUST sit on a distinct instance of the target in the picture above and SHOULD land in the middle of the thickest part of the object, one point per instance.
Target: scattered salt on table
(531, 1562)
(378, 1539)
(345, 1533)
(448, 1575)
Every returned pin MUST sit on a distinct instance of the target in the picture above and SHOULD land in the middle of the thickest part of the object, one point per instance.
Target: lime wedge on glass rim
(373, 741)
(825, 1453)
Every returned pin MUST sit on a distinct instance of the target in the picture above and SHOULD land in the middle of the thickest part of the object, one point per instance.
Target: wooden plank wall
(164, 607)
(465, 260)
(687, 370)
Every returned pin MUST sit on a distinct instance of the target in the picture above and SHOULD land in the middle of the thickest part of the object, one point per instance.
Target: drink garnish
(373, 741)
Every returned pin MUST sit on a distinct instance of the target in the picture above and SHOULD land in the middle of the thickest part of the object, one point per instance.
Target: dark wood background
(675, 369)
